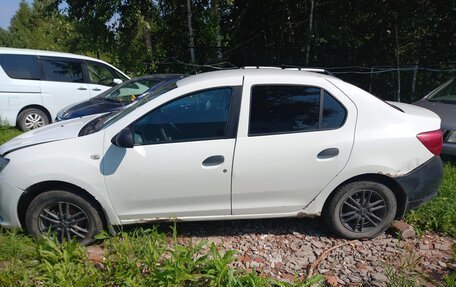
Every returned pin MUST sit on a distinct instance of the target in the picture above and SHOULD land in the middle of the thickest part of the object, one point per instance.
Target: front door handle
(96, 89)
(328, 153)
(82, 88)
(214, 160)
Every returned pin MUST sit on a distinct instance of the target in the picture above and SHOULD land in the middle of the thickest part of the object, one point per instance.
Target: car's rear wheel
(64, 215)
(361, 209)
(30, 119)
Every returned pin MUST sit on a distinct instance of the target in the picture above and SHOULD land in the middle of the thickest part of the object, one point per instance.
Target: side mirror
(123, 139)
(117, 81)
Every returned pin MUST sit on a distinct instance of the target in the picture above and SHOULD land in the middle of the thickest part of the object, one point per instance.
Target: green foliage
(440, 213)
(143, 36)
(38, 27)
(7, 132)
(407, 273)
(64, 265)
(142, 257)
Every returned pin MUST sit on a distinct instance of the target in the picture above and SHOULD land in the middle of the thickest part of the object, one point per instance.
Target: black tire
(360, 209)
(64, 214)
(32, 118)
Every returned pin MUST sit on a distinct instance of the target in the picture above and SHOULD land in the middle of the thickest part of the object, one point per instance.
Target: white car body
(278, 175)
(18, 92)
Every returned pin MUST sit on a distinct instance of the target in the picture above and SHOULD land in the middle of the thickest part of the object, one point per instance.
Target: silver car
(442, 101)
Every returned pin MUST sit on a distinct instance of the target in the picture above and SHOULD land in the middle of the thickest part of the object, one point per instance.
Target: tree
(38, 27)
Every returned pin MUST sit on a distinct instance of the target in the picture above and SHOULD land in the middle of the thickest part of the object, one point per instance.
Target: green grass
(7, 133)
(137, 258)
(450, 280)
(440, 213)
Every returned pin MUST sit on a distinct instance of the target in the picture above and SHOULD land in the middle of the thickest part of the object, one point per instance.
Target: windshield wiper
(443, 101)
(111, 100)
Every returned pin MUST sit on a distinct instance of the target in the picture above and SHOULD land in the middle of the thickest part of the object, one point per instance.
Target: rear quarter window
(22, 67)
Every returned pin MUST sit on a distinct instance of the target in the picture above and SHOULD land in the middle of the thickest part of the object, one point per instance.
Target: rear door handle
(96, 89)
(82, 88)
(214, 160)
(328, 153)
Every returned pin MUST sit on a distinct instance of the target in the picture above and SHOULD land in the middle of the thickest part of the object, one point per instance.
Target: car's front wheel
(65, 215)
(361, 209)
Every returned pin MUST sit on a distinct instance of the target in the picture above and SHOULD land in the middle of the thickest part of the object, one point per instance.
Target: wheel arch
(42, 187)
(391, 183)
(34, 106)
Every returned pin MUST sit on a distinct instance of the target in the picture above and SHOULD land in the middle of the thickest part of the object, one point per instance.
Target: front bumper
(9, 199)
(449, 149)
(422, 183)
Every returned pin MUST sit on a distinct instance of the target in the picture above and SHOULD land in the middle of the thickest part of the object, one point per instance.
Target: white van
(35, 85)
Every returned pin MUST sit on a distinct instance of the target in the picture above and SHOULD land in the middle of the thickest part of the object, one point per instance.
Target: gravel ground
(284, 248)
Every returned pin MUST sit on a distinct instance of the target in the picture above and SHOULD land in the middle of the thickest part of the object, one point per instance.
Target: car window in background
(128, 91)
(100, 74)
(447, 94)
(108, 119)
(62, 70)
(120, 76)
(198, 116)
(24, 67)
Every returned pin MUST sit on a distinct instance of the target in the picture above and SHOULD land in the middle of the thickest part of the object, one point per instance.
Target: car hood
(89, 107)
(50, 133)
(447, 112)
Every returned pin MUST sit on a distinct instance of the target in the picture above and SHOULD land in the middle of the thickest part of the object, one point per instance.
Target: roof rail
(314, 70)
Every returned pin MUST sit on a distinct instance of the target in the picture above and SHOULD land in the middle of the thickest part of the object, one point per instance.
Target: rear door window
(278, 109)
(23, 67)
(62, 70)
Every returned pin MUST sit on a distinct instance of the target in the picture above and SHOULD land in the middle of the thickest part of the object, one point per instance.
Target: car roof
(20, 51)
(157, 76)
(265, 72)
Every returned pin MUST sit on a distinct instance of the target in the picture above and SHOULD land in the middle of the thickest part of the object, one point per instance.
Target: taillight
(432, 141)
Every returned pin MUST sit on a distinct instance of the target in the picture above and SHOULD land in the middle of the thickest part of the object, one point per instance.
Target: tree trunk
(218, 38)
(415, 72)
(148, 39)
(191, 40)
(312, 4)
(397, 63)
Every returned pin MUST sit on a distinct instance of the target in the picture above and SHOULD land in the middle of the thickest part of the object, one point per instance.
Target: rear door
(62, 84)
(293, 139)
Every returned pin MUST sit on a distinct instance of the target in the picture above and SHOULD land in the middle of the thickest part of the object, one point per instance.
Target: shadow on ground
(278, 226)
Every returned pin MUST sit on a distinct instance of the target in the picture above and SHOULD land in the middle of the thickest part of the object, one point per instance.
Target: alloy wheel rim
(66, 220)
(34, 121)
(363, 211)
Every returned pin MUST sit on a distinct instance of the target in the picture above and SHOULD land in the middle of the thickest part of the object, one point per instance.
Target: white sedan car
(237, 144)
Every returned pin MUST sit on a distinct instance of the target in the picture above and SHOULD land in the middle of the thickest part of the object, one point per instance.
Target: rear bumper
(422, 183)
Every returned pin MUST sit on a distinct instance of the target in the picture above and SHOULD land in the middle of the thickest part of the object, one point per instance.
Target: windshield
(445, 93)
(106, 120)
(129, 91)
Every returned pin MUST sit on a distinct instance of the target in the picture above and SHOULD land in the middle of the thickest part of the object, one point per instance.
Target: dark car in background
(116, 98)
(442, 101)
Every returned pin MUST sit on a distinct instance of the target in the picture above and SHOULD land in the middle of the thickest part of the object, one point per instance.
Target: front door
(180, 164)
(292, 141)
